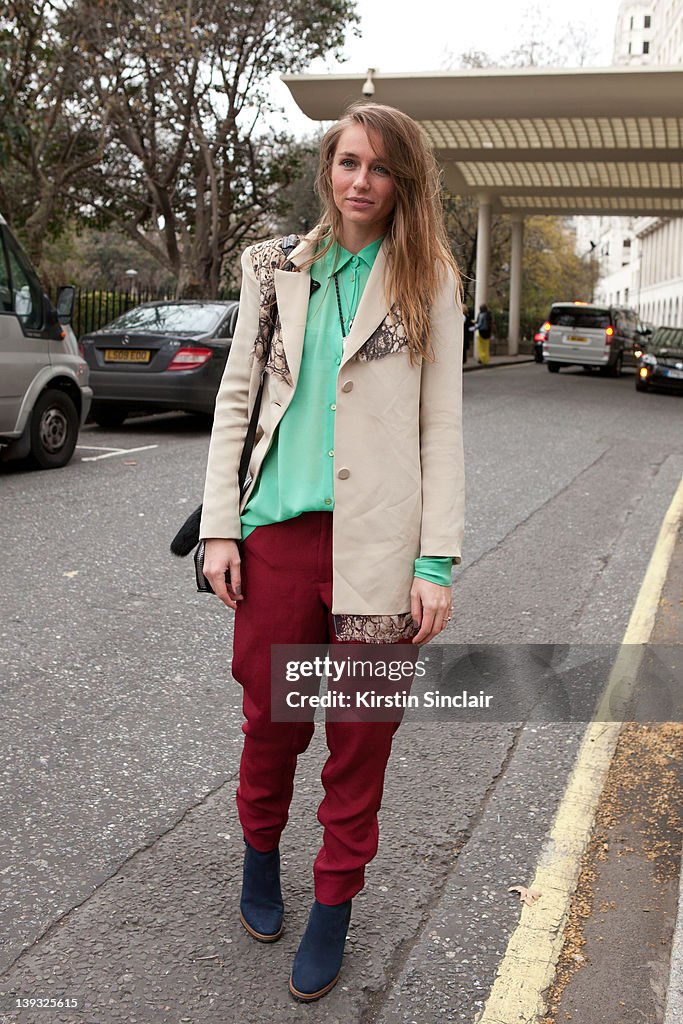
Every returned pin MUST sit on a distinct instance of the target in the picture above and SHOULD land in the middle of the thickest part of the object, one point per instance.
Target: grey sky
(419, 35)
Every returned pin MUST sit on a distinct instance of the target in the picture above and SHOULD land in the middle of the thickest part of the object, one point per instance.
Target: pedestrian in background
(468, 333)
(353, 515)
(482, 335)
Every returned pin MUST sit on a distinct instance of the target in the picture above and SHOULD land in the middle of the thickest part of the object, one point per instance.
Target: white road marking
(96, 448)
(110, 452)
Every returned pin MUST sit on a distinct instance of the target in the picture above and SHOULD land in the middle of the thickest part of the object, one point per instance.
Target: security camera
(369, 85)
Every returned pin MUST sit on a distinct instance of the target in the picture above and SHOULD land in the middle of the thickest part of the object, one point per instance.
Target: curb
(500, 361)
(529, 963)
(674, 996)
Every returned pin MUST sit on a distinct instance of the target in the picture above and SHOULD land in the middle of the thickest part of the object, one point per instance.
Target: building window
(646, 47)
(631, 21)
(629, 47)
(648, 21)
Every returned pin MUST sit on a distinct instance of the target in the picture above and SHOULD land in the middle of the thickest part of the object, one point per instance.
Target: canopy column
(515, 308)
(483, 254)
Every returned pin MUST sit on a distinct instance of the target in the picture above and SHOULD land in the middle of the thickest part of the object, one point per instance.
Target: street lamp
(132, 278)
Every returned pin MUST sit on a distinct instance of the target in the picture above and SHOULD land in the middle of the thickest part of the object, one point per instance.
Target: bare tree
(48, 141)
(193, 170)
(541, 44)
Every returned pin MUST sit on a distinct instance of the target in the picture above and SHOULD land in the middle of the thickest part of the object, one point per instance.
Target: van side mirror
(66, 297)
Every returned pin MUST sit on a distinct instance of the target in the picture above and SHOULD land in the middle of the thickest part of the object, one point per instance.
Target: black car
(662, 365)
(159, 357)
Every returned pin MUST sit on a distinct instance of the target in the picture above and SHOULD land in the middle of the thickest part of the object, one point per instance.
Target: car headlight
(648, 359)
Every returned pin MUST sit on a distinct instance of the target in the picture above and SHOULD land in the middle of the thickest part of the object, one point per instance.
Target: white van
(593, 336)
(44, 390)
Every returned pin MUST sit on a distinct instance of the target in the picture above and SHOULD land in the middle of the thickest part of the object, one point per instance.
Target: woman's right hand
(221, 556)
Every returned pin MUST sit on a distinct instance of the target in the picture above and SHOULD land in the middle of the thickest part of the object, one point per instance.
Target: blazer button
(347, 385)
(344, 474)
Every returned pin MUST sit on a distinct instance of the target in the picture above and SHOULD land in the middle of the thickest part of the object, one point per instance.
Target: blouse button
(344, 474)
(347, 385)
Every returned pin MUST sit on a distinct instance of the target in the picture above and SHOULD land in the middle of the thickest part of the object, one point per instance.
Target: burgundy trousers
(287, 587)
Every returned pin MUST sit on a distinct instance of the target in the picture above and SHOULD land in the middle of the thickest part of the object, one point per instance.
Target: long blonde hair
(418, 252)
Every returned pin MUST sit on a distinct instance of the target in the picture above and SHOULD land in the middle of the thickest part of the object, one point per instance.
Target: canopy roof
(537, 140)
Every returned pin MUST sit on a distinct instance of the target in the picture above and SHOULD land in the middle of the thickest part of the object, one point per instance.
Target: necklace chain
(339, 307)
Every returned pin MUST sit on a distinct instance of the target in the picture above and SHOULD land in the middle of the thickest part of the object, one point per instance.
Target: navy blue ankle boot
(319, 957)
(261, 906)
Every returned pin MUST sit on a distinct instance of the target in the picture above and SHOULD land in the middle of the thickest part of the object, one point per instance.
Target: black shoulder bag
(187, 536)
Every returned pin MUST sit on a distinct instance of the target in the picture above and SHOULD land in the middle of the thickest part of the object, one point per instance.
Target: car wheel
(641, 385)
(109, 419)
(54, 430)
(617, 366)
(554, 367)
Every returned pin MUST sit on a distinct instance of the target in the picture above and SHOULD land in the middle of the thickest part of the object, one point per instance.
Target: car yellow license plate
(127, 355)
(578, 337)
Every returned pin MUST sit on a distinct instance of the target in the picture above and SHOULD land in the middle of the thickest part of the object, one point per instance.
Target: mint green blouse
(297, 474)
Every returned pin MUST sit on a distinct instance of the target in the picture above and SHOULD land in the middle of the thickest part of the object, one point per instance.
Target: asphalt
(152, 930)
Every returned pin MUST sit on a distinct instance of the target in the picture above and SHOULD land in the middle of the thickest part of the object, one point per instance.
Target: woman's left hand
(431, 607)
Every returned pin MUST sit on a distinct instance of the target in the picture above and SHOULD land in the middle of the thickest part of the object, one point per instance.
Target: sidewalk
(622, 958)
(502, 360)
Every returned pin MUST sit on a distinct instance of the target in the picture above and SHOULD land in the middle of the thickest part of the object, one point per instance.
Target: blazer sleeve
(221, 512)
(441, 442)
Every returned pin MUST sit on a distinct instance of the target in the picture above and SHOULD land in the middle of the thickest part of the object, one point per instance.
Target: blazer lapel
(372, 308)
(292, 291)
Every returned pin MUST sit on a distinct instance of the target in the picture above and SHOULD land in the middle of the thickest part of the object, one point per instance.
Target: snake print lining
(389, 337)
(267, 257)
(374, 629)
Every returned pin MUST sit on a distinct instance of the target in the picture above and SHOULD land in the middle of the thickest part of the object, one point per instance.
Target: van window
(27, 296)
(5, 289)
(579, 316)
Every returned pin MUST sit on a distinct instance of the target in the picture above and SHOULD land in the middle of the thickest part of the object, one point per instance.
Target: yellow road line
(528, 966)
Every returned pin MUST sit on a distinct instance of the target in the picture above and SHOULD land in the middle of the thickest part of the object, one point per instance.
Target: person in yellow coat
(482, 335)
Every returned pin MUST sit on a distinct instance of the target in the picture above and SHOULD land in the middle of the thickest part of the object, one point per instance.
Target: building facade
(634, 33)
(642, 258)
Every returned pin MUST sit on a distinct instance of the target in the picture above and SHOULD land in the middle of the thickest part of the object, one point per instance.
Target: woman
(354, 513)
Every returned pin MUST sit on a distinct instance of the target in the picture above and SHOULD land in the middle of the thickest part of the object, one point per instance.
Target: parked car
(159, 357)
(540, 337)
(593, 336)
(44, 390)
(661, 366)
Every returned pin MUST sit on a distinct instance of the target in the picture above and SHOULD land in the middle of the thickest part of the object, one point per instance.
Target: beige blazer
(398, 464)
